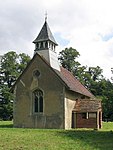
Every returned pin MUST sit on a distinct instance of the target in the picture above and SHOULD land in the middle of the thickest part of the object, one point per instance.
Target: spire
(45, 45)
(45, 34)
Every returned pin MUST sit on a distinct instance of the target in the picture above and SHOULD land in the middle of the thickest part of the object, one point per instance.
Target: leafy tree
(95, 73)
(11, 66)
(91, 77)
(68, 57)
(108, 92)
(23, 61)
(87, 76)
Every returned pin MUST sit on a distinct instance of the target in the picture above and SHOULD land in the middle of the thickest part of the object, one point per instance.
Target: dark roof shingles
(45, 34)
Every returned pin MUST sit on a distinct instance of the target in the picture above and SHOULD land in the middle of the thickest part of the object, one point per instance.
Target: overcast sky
(86, 25)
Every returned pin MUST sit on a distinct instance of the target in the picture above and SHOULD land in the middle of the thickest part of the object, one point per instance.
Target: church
(49, 96)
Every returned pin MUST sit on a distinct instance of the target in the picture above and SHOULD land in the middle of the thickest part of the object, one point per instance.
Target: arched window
(38, 101)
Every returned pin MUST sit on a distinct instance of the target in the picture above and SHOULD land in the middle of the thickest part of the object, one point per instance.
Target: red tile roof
(73, 83)
(87, 105)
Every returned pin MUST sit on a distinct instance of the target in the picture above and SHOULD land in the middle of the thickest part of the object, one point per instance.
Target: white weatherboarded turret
(45, 45)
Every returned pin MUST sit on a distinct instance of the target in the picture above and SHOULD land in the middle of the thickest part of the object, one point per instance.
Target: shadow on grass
(6, 125)
(100, 140)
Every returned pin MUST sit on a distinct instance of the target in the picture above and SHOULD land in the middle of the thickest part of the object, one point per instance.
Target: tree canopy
(12, 65)
(68, 58)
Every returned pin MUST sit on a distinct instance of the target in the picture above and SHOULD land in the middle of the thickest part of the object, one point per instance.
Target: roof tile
(45, 34)
(87, 105)
(73, 83)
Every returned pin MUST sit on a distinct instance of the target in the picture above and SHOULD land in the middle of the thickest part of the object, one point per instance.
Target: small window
(85, 115)
(36, 73)
(38, 101)
(92, 115)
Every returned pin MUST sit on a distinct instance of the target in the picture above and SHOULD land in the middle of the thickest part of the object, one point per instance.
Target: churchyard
(55, 139)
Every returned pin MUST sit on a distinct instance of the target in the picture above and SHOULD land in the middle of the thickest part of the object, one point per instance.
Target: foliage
(47, 139)
(11, 66)
(92, 79)
(68, 57)
(106, 88)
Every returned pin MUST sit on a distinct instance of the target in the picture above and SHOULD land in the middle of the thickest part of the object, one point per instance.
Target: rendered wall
(70, 101)
(53, 94)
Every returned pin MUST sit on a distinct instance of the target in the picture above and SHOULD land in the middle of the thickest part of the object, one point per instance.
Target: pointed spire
(45, 45)
(45, 34)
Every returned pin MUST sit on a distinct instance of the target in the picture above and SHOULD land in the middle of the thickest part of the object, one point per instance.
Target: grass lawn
(46, 139)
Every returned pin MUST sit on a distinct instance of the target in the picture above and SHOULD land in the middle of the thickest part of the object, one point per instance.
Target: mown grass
(46, 139)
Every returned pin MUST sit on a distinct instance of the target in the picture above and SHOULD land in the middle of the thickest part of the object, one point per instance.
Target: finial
(46, 16)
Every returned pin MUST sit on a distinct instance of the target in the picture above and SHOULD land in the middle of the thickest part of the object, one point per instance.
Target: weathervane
(46, 16)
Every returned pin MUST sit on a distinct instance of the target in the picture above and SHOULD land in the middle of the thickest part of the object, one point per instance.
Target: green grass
(46, 139)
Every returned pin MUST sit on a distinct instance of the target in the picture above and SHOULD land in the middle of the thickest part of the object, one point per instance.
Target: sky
(86, 25)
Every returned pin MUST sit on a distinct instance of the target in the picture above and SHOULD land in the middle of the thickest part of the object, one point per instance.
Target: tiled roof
(45, 34)
(86, 105)
(73, 83)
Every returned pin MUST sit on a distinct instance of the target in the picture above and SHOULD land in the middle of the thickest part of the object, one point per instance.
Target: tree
(68, 57)
(11, 67)
(23, 61)
(91, 78)
(87, 76)
(95, 73)
(105, 92)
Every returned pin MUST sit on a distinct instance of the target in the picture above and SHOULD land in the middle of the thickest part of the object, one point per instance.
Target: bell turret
(45, 45)
(45, 39)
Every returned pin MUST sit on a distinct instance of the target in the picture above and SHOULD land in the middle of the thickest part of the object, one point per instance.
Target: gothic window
(38, 101)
